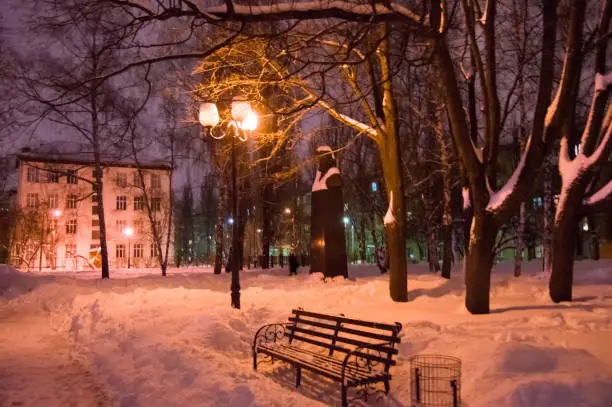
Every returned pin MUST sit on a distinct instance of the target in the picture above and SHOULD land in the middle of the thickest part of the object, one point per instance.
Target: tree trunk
(564, 246)
(362, 239)
(395, 230)
(594, 240)
(266, 235)
(549, 211)
(447, 250)
(432, 249)
(479, 263)
(103, 247)
(219, 230)
(447, 210)
(520, 242)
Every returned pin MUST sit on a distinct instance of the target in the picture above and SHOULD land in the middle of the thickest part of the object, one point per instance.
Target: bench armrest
(360, 362)
(270, 333)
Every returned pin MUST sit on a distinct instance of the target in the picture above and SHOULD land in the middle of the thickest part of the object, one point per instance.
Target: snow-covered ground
(145, 340)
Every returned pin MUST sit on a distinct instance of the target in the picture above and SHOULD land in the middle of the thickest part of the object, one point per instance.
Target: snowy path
(36, 367)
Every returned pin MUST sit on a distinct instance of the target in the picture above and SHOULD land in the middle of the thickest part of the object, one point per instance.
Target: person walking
(293, 264)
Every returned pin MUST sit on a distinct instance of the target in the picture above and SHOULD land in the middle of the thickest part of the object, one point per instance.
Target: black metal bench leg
(344, 402)
(298, 376)
(387, 386)
(254, 360)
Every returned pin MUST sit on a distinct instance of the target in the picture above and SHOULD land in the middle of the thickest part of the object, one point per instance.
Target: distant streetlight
(57, 213)
(128, 232)
(287, 211)
(346, 220)
(244, 120)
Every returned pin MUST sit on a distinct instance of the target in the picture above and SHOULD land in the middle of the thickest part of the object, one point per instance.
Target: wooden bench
(349, 351)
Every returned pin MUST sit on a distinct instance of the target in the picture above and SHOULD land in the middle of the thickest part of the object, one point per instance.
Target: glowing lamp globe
(240, 109)
(128, 232)
(250, 121)
(209, 115)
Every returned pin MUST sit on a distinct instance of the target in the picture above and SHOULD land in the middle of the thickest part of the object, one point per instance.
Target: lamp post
(294, 243)
(244, 119)
(128, 232)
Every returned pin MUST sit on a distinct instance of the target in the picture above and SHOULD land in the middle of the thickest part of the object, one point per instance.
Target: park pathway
(37, 368)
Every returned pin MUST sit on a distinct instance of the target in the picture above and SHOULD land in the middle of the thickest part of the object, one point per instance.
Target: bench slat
(389, 361)
(384, 349)
(373, 335)
(353, 374)
(368, 324)
(331, 363)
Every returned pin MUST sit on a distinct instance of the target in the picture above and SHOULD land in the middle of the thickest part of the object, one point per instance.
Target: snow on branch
(316, 9)
(465, 194)
(349, 121)
(601, 195)
(326, 149)
(498, 198)
(483, 19)
(602, 82)
(602, 150)
(389, 218)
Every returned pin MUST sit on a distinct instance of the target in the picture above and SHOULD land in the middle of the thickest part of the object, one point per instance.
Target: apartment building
(59, 226)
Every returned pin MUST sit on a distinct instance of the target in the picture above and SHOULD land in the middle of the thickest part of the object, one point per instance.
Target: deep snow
(143, 340)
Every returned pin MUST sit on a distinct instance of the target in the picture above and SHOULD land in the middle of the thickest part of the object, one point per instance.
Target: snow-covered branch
(600, 200)
(345, 10)
(498, 198)
(349, 121)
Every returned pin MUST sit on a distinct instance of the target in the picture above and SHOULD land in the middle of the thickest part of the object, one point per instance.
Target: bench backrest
(341, 334)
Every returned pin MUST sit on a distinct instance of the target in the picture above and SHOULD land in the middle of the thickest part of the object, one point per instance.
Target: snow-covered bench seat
(349, 351)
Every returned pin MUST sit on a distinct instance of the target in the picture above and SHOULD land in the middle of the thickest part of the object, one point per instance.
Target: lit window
(120, 225)
(537, 202)
(120, 251)
(52, 201)
(138, 203)
(153, 250)
(122, 180)
(71, 226)
(32, 200)
(155, 181)
(138, 249)
(33, 175)
(71, 202)
(139, 226)
(121, 203)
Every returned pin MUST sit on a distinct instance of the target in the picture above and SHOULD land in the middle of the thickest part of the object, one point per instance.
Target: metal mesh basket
(435, 381)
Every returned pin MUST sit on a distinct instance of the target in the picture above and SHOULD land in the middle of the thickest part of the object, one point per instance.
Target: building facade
(59, 224)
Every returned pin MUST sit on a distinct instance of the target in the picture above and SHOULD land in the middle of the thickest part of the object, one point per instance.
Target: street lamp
(244, 119)
(128, 232)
